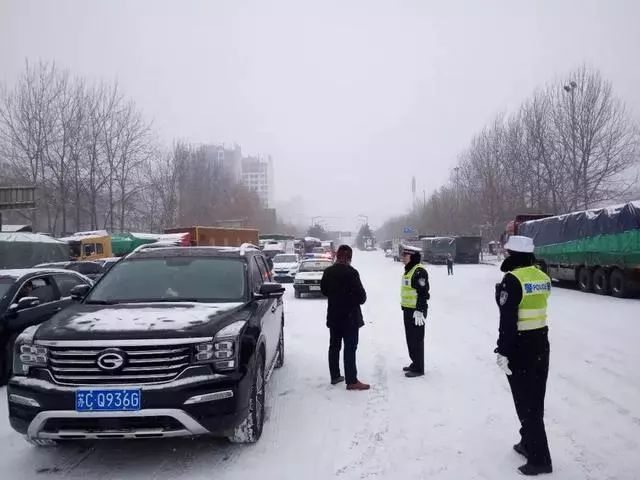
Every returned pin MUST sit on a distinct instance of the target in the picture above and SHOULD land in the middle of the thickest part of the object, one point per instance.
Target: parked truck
(598, 249)
(437, 249)
(216, 237)
(25, 250)
(468, 249)
(92, 245)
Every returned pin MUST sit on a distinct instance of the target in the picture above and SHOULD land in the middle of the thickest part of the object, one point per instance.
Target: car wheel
(6, 360)
(280, 362)
(250, 430)
(601, 282)
(585, 279)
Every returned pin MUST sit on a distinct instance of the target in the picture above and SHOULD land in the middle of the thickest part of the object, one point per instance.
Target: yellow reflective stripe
(525, 313)
(533, 324)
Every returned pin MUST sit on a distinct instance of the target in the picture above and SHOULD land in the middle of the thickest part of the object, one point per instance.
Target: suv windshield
(177, 279)
(285, 259)
(314, 266)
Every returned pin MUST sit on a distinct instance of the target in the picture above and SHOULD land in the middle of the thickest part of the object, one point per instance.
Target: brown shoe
(358, 386)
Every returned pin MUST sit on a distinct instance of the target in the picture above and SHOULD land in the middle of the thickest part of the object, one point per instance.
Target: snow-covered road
(457, 422)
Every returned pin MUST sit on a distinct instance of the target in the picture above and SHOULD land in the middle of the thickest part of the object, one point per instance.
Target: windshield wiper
(100, 302)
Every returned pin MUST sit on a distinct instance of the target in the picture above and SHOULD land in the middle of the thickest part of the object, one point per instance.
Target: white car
(285, 267)
(310, 272)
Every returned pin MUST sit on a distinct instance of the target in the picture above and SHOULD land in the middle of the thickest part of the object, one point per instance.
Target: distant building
(257, 177)
(223, 158)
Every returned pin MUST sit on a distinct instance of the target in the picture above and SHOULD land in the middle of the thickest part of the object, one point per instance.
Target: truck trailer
(435, 250)
(216, 237)
(598, 249)
(468, 249)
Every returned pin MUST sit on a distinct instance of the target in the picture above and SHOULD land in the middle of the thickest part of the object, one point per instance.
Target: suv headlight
(223, 351)
(297, 280)
(26, 354)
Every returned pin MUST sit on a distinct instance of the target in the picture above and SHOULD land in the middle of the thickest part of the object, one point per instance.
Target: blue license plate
(125, 400)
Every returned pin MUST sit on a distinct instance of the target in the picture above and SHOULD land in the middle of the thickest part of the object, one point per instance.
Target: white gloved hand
(503, 363)
(418, 318)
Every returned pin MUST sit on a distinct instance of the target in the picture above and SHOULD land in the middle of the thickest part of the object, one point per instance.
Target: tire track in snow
(368, 442)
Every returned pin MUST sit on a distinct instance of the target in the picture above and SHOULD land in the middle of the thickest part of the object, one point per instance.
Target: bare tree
(25, 123)
(597, 134)
(572, 145)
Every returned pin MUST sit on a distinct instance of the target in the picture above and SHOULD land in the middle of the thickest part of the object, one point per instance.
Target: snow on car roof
(21, 272)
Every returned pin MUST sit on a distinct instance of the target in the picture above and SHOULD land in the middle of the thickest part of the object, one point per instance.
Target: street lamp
(571, 88)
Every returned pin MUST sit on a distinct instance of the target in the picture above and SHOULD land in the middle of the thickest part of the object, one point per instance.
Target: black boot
(531, 470)
(413, 374)
(337, 380)
(518, 447)
(408, 369)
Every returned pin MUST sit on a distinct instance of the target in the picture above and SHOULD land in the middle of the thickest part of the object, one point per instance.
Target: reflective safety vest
(536, 288)
(408, 294)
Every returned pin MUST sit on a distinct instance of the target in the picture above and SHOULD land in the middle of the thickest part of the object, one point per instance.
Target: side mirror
(271, 290)
(24, 303)
(79, 292)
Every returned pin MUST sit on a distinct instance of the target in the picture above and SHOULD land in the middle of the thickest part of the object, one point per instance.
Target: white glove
(418, 318)
(503, 363)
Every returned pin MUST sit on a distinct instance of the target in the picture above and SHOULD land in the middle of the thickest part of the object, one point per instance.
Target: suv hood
(139, 321)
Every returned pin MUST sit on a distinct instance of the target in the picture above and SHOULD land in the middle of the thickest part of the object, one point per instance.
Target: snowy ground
(457, 422)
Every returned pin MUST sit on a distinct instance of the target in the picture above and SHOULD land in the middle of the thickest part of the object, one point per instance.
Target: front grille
(123, 424)
(143, 364)
(312, 282)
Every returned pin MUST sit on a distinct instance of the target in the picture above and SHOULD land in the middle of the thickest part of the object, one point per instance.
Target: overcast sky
(351, 98)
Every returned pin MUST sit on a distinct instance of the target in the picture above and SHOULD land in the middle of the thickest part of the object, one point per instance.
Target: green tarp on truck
(599, 237)
(598, 248)
(125, 243)
(26, 250)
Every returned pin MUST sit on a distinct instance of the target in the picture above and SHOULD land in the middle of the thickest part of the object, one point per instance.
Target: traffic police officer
(523, 348)
(414, 296)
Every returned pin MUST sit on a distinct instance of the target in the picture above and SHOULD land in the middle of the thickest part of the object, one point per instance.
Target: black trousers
(449, 268)
(415, 341)
(350, 339)
(528, 386)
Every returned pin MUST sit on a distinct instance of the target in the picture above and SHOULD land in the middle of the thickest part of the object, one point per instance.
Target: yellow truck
(89, 245)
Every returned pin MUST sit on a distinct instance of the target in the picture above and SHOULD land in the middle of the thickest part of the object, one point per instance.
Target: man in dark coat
(342, 286)
(523, 348)
(413, 300)
(449, 264)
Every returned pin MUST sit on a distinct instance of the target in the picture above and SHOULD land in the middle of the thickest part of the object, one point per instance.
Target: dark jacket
(519, 347)
(420, 282)
(342, 286)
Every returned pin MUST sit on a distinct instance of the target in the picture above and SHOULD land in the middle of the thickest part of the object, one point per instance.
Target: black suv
(171, 342)
(29, 297)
